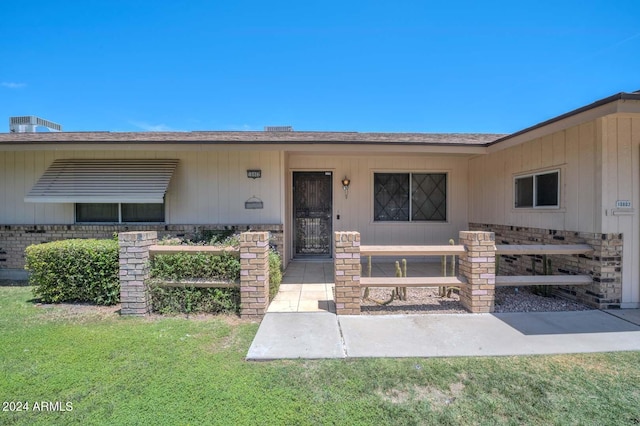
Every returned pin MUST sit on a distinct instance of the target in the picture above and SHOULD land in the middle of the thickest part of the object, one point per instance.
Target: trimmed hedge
(75, 271)
(190, 300)
(275, 273)
(201, 265)
(172, 300)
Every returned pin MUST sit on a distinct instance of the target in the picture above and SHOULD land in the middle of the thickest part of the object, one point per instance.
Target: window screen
(129, 212)
(96, 212)
(538, 190)
(143, 212)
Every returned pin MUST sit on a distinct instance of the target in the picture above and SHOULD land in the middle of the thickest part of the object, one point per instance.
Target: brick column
(605, 265)
(134, 270)
(478, 267)
(346, 272)
(254, 274)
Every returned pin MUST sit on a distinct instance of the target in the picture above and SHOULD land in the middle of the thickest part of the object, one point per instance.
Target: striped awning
(103, 181)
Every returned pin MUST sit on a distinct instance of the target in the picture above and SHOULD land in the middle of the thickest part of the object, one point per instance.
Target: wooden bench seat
(411, 250)
(410, 282)
(524, 280)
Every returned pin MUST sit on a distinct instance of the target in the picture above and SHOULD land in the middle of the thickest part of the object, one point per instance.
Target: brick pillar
(134, 270)
(346, 272)
(478, 267)
(605, 266)
(254, 274)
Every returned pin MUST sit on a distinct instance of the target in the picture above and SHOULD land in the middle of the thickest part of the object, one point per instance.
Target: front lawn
(115, 370)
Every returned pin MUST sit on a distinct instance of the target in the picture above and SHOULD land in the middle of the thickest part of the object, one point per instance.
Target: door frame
(290, 214)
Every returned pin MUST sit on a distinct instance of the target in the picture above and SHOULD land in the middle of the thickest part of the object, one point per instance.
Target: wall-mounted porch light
(345, 186)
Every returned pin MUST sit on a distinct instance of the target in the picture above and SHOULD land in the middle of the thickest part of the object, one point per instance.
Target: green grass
(125, 371)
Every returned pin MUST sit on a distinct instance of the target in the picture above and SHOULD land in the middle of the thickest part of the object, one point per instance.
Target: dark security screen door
(312, 213)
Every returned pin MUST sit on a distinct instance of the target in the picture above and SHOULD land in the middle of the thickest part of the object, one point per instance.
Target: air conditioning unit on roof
(32, 124)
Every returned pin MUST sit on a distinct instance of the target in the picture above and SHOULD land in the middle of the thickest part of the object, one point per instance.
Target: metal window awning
(103, 181)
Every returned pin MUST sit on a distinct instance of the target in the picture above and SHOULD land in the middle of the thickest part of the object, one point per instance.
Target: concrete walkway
(306, 287)
(325, 335)
(301, 323)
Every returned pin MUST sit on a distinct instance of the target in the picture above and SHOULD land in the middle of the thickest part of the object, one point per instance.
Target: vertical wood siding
(573, 151)
(208, 187)
(621, 181)
(599, 164)
(356, 212)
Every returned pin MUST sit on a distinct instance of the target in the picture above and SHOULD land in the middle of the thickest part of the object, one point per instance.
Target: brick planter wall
(14, 239)
(346, 266)
(604, 264)
(134, 271)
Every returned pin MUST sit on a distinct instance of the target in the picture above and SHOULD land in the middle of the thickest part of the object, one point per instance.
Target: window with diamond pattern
(408, 197)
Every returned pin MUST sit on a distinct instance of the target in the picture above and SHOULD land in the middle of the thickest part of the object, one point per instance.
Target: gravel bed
(521, 299)
(427, 301)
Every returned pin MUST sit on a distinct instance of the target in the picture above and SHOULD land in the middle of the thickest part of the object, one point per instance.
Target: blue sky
(392, 66)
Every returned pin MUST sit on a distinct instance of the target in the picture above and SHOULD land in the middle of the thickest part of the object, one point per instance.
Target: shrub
(201, 265)
(75, 271)
(275, 273)
(190, 300)
(217, 237)
(180, 266)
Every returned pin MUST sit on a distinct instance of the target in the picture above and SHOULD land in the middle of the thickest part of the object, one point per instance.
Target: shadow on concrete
(575, 322)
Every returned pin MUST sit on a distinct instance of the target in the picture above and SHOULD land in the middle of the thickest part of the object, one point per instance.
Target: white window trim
(535, 190)
(410, 221)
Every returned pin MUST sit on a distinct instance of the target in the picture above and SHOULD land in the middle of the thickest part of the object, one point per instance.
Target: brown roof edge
(223, 137)
(635, 96)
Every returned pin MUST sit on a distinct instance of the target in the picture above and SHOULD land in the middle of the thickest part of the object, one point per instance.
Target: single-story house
(573, 178)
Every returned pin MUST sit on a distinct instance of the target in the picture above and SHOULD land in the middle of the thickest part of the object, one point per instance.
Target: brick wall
(15, 238)
(604, 264)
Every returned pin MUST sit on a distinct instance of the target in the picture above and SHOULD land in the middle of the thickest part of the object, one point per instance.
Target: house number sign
(623, 204)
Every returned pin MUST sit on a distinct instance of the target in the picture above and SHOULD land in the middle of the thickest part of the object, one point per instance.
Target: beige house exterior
(453, 182)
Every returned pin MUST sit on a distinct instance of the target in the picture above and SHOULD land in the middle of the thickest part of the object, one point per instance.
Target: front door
(312, 213)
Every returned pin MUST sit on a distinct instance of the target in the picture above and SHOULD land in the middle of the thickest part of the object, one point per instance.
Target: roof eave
(356, 146)
(602, 107)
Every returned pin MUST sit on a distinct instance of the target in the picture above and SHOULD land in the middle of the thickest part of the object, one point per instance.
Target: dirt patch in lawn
(76, 312)
(83, 312)
(437, 398)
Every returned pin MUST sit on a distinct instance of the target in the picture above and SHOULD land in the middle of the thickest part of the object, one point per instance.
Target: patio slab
(631, 315)
(533, 333)
(325, 335)
(300, 323)
(297, 335)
